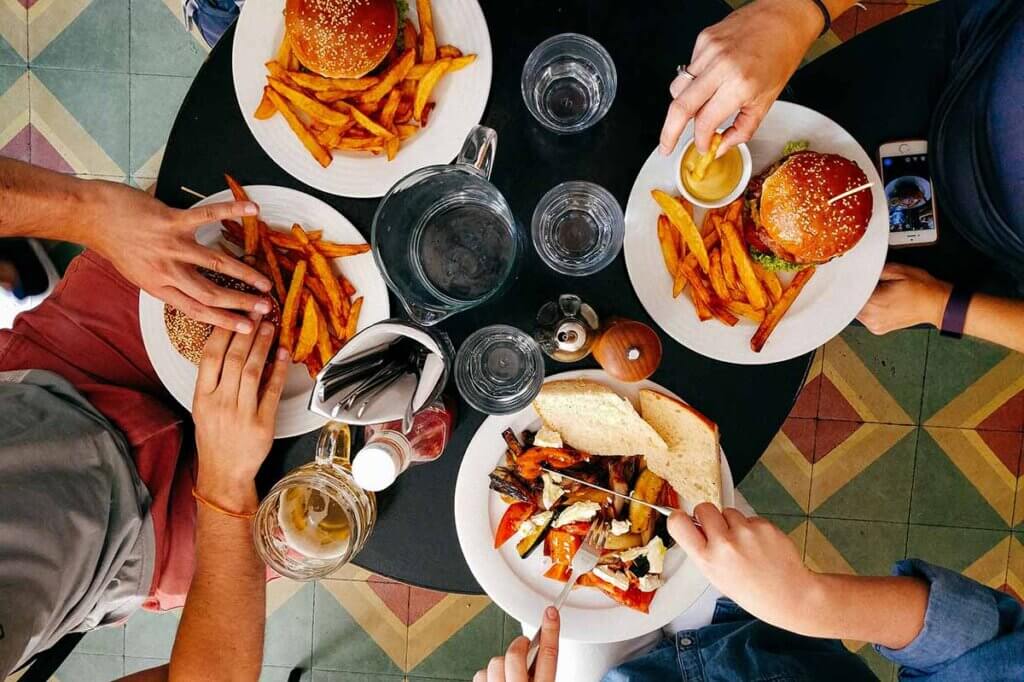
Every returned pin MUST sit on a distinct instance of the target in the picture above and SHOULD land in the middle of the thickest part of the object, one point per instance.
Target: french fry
(428, 41)
(323, 272)
(266, 109)
(352, 325)
(346, 286)
(722, 314)
(277, 70)
(394, 75)
(361, 143)
(320, 84)
(322, 156)
(410, 38)
(406, 131)
(332, 96)
(284, 52)
(323, 339)
(454, 64)
(684, 223)
(250, 224)
(293, 61)
(233, 231)
(425, 87)
(774, 316)
(306, 104)
(678, 281)
(745, 310)
(744, 266)
(669, 248)
(704, 162)
(387, 112)
(290, 311)
(700, 289)
(275, 268)
(449, 51)
(313, 365)
(729, 270)
(703, 312)
(284, 240)
(366, 122)
(718, 284)
(334, 250)
(771, 282)
(308, 331)
(732, 211)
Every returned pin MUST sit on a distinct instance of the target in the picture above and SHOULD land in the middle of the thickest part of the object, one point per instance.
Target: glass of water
(569, 82)
(578, 228)
(499, 369)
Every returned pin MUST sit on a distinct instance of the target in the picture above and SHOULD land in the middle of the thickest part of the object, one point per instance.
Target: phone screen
(908, 191)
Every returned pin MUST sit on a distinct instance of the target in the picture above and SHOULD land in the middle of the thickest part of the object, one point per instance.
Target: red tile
(1008, 417)
(807, 402)
(832, 404)
(845, 25)
(395, 596)
(18, 147)
(43, 154)
(421, 601)
(801, 433)
(830, 434)
(1006, 446)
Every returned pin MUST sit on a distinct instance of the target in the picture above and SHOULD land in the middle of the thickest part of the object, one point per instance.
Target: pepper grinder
(628, 350)
(567, 328)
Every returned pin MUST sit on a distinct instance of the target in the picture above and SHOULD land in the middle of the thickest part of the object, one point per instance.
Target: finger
(481, 676)
(711, 520)
(218, 317)
(234, 362)
(687, 534)
(679, 83)
(275, 385)
(683, 109)
(735, 518)
(742, 129)
(547, 656)
(496, 669)
(214, 213)
(515, 660)
(898, 271)
(212, 360)
(252, 373)
(214, 296)
(219, 262)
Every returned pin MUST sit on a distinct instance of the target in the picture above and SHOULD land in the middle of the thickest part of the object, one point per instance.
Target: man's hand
(905, 296)
(512, 666)
(234, 422)
(154, 247)
(750, 561)
(741, 64)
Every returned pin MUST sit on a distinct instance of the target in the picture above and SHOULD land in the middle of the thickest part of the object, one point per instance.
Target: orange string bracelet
(219, 509)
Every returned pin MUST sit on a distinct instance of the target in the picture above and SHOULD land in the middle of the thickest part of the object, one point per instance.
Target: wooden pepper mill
(628, 350)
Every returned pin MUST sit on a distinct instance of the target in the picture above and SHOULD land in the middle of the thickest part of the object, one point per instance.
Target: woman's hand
(905, 296)
(154, 247)
(234, 420)
(512, 666)
(741, 64)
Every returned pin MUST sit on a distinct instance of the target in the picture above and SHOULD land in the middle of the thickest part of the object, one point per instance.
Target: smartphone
(913, 220)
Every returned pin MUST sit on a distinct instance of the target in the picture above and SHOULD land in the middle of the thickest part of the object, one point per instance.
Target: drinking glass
(499, 369)
(569, 82)
(578, 228)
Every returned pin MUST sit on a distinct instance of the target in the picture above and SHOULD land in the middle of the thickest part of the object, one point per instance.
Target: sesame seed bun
(790, 214)
(341, 38)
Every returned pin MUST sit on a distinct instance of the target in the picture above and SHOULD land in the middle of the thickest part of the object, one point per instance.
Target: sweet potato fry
(290, 311)
(394, 75)
(744, 266)
(428, 41)
(234, 231)
(306, 104)
(335, 250)
(275, 268)
(352, 325)
(323, 272)
(774, 316)
(284, 240)
(319, 83)
(308, 331)
(718, 284)
(684, 223)
(425, 87)
(250, 224)
(771, 282)
(669, 248)
(322, 156)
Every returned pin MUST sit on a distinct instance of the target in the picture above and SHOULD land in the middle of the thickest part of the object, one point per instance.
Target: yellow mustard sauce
(721, 178)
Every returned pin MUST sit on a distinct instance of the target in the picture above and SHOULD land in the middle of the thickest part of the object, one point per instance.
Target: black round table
(415, 540)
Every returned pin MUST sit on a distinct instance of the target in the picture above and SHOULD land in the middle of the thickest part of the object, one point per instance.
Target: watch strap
(955, 316)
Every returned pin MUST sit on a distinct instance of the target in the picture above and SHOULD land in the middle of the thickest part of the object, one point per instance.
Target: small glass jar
(316, 519)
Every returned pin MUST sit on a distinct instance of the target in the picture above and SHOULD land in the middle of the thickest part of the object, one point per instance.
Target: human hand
(749, 560)
(741, 64)
(234, 422)
(905, 296)
(512, 666)
(153, 246)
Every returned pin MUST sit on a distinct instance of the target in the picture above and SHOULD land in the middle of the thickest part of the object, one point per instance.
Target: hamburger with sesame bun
(341, 38)
(788, 221)
(188, 336)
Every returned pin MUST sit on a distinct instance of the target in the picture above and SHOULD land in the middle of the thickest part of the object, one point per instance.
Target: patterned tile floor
(910, 444)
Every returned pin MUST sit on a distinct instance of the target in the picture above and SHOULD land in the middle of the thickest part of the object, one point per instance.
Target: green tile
(9, 75)
(468, 650)
(160, 44)
(96, 40)
(953, 365)
(879, 492)
(90, 668)
(8, 55)
(946, 496)
(788, 524)
(289, 635)
(869, 547)
(766, 495)
(155, 101)
(273, 673)
(340, 644)
(511, 629)
(879, 664)
(896, 360)
(14, 97)
(954, 548)
(151, 635)
(335, 676)
(109, 641)
(134, 665)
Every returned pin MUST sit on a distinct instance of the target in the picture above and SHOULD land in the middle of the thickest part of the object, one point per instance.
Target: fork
(584, 561)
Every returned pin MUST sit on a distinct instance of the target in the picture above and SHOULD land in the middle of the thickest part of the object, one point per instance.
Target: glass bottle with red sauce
(388, 452)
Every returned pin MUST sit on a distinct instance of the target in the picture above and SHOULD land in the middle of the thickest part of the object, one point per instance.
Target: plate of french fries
(358, 137)
(693, 272)
(326, 285)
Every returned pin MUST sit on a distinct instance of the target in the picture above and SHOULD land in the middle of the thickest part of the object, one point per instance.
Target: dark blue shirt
(971, 632)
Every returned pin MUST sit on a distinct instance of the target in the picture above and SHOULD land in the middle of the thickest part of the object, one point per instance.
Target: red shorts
(87, 331)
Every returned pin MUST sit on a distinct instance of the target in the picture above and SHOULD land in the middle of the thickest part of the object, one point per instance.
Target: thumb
(214, 213)
(691, 538)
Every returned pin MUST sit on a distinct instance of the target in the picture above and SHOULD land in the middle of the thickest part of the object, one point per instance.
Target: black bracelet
(824, 15)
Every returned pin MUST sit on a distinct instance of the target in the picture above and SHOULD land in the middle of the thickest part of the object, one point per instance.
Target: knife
(664, 511)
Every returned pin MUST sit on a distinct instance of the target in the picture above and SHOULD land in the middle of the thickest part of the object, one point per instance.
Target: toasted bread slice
(595, 419)
(691, 464)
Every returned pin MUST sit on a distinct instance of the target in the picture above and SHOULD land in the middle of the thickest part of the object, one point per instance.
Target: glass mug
(316, 519)
(444, 237)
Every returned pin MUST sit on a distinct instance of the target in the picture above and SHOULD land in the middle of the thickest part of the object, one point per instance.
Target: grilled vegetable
(620, 542)
(533, 540)
(515, 448)
(619, 473)
(504, 481)
(648, 487)
(509, 524)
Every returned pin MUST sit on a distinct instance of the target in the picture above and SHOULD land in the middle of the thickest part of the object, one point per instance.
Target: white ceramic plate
(460, 98)
(280, 207)
(828, 303)
(518, 585)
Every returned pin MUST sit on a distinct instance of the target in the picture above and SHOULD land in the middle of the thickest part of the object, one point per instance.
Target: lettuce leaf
(773, 263)
(794, 146)
(403, 12)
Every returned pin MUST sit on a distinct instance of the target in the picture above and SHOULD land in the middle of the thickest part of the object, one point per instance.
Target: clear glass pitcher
(316, 519)
(444, 237)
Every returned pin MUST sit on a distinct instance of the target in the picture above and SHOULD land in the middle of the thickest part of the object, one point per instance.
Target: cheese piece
(547, 438)
(612, 577)
(530, 525)
(654, 551)
(552, 491)
(580, 511)
(620, 527)
(650, 582)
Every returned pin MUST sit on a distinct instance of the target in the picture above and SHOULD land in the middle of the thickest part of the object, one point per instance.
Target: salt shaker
(566, 328)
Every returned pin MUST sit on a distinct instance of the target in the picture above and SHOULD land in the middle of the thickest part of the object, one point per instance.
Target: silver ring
(684, 72)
